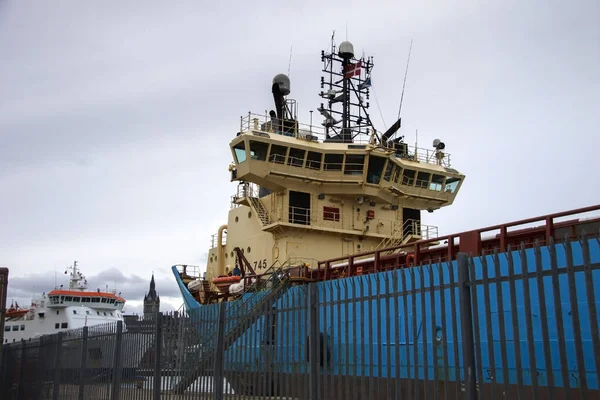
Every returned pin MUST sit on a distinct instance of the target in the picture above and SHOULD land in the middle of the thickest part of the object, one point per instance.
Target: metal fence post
(466, 316)
(57, 366)
(82, 371)
(157, 359)
(313, 340)
(21, 369)
(116, 377)
(3, 284)
(219, 353)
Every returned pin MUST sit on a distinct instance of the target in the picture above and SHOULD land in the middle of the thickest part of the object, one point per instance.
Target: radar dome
(283, 81)
(346, 50)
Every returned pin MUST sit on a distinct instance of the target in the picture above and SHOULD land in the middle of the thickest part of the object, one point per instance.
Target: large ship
(341, 200)
(66, 311)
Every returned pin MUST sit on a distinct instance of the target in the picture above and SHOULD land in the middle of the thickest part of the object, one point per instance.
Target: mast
(349, 85)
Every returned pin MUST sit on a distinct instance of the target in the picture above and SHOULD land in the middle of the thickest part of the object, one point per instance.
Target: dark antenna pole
(405, 74)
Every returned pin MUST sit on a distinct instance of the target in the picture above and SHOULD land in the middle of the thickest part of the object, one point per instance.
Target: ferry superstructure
(61, 310)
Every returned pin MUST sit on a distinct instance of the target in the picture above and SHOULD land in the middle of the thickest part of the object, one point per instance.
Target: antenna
(290, 62)
(405, 74)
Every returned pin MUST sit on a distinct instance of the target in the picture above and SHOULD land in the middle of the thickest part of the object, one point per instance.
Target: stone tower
(151, 301)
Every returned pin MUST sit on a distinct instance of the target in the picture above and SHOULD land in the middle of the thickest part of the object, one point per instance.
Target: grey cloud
(115, 119)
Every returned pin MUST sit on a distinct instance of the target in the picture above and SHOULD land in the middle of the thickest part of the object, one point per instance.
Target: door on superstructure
(348, 247)
(299, 208)
(411, 222)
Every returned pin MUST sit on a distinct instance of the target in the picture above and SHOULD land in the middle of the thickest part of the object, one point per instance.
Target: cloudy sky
(115, 117)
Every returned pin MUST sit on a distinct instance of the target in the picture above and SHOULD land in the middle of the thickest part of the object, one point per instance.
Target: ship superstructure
(309, 192)
(63, 309)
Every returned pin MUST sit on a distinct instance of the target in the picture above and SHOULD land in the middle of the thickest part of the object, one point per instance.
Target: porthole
(248, 249)
(232, 254)
(226, 255)
(249, 214)
(211, 259)
(237, 219)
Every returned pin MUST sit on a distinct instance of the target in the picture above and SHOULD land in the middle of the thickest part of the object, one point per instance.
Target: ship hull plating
(401, 331)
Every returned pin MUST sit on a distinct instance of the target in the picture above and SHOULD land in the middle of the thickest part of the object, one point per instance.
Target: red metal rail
(445, 248)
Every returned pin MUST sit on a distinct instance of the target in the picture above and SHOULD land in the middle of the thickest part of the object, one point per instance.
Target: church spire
(151, 301)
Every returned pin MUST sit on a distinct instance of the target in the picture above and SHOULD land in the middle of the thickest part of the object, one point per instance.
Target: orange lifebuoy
(410, 260)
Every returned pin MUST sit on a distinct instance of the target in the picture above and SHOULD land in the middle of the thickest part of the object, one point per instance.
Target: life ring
(410, 260)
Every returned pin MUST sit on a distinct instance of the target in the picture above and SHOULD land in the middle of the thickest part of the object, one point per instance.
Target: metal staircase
(411, 230)
(239, 318)
(260, 210)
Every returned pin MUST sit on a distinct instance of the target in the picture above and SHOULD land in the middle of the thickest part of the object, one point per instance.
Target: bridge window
(331, 214)
(354, 164)
(258, 150)
(95, 299)
(278, 154)
(333, 162)
(437, 181)
(452, 184)
(388, 171)
(408, 177)
(313, 160)
(64, 325)
(396, 173)
(77, 299)
(68, 298)
(7, 328)
(296, 157)
(375, 169)
(240, 152)
(423, 179)
(22, 327)
(56, 325)
(15, 328)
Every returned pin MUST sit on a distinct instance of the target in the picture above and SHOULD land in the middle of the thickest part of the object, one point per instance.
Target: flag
(351, 70)
(365, 84)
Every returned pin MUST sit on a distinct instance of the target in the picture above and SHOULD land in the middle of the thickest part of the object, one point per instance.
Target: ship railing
(416, 228)
(333, 218)
(542, 230)
(214, 239)
(192, 271)
(316, 133)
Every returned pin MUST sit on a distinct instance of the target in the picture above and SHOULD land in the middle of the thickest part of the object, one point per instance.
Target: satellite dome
(346, 50)
(283, 81)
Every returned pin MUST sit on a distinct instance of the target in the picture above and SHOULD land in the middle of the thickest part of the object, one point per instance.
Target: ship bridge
(337, 187)
(278, 158)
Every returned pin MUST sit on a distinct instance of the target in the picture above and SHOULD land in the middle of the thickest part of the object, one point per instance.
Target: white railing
(246, 189)
(214, 239)
(316, 133)
(415, 227)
